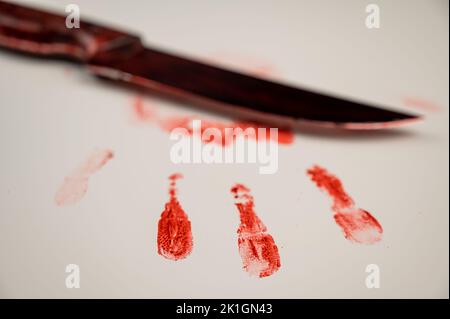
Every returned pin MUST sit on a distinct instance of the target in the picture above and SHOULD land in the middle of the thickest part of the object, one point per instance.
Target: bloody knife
(121, 56)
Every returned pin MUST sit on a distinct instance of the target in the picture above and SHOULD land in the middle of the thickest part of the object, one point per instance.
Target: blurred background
(53, 114)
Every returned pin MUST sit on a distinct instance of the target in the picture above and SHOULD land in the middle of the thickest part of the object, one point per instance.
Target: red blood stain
(357, 224)
(422, 104)
(333, 186)
(228, 136)
(143, 111)
(174, 228)
(284, 136)
(257, 248)
(75, 185)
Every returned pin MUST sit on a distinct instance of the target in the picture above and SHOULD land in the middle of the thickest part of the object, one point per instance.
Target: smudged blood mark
(174, 228)
(285, 137)
(250, 65)
(419, 103)
(333, 186)
(357, 224)
(142, 111)
(170, 123)
(257, 248)
(75, 185)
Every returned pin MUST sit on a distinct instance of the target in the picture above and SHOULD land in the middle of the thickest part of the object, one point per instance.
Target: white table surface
(53, 114)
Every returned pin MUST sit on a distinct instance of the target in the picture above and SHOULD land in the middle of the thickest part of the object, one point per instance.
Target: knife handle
(46, 34)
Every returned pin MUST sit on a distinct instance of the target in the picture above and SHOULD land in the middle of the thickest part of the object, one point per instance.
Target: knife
(121, 56)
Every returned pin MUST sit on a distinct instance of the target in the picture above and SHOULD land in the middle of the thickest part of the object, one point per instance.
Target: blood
(284, 137)
(422, 104)
(358, 225)
(247, 64)
(145, 113)
(142, 111)
(75, 186)
(174, 228)
(257, 248)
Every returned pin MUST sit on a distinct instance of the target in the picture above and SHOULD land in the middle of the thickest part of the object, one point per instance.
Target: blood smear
(358, 225)
(422, 104)
(142, 111)
(174, 228)
(168, 124)
(75, 185)
(257, 248)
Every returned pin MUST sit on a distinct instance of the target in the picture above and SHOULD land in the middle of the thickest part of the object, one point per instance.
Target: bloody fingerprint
(357, 224)
(257, 248)
(75, 186)
(174, 228)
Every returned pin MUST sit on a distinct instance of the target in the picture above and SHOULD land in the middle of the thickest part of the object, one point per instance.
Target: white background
(53, 114)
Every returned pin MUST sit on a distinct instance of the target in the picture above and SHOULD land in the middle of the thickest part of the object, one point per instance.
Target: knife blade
(121, 56)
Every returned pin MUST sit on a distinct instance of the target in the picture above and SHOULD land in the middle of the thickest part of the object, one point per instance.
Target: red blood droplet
(332, 185)
(284, 136)
(143, 112)
(257, 248)
(357, 224)
(174, 228)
